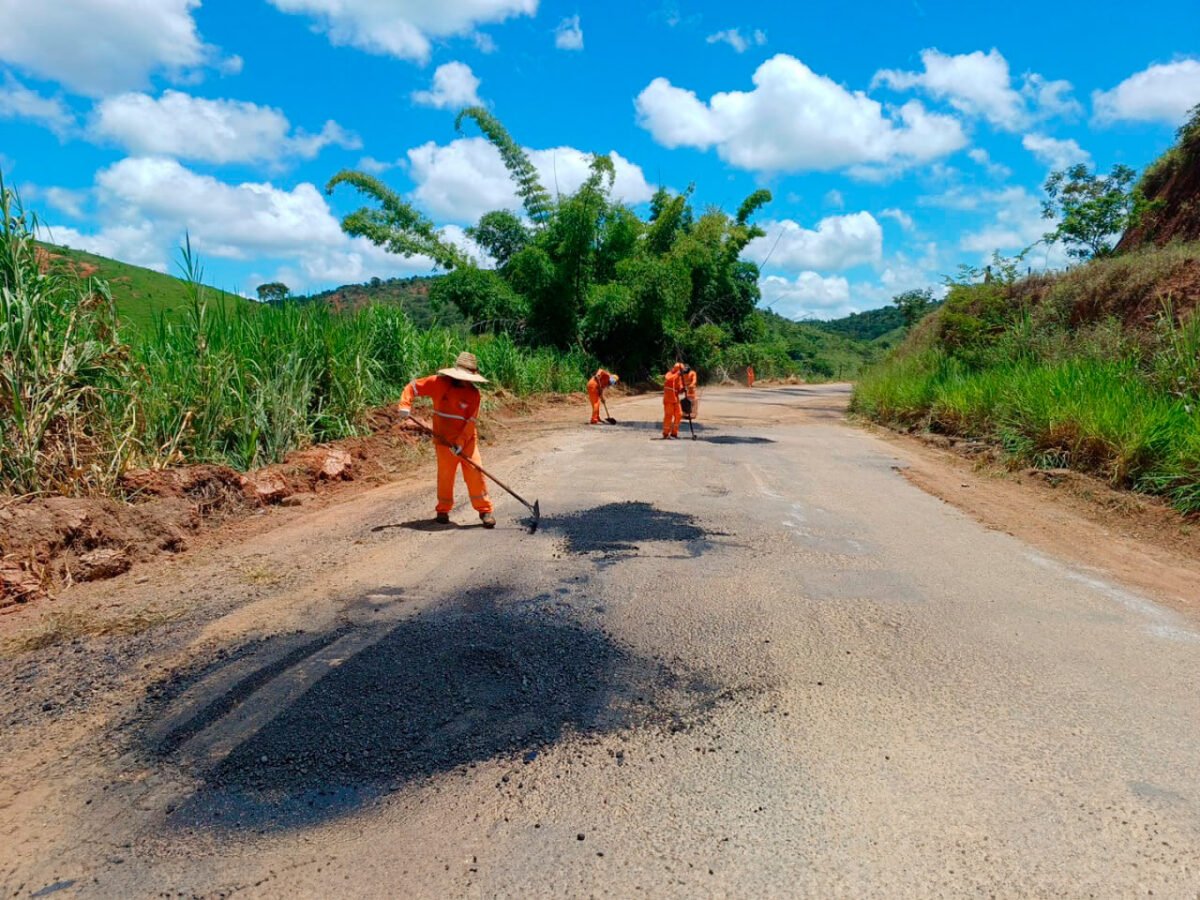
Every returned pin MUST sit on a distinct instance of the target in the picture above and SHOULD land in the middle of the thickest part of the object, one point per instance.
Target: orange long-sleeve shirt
(455, 407)
(602, 379)
(672, 386)
(689, 384)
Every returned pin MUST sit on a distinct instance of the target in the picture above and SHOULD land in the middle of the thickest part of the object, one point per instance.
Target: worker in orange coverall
(672, 411)
(455, 407)
(688, 374)
(596, 387)
(749, 376)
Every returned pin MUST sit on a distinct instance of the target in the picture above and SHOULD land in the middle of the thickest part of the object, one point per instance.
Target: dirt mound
(1133, 288)
(1172, 185)
(67, 539)
(59, 540)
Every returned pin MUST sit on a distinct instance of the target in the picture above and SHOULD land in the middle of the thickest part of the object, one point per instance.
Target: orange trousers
(594, 396)
(448, 465)
(672, 416)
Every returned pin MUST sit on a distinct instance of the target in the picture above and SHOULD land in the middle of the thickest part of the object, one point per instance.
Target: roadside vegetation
(84, 395)
(1096, 368)
(585, 271)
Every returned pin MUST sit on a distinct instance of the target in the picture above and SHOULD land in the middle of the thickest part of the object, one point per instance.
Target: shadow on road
(426, 525)
(484, 676)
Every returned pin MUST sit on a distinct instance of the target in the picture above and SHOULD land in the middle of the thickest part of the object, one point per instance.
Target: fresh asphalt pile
(621, 528)
(490, 674)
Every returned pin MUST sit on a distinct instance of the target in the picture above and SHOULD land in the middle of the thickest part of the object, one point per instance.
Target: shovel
(534, 508)
(608, 416)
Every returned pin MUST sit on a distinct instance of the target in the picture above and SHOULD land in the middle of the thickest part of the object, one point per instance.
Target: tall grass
(64, 423)
(1133, 419)
(243, 385)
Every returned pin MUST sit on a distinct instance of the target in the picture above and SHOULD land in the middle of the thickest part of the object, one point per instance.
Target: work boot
(488, 520)
(442, 518)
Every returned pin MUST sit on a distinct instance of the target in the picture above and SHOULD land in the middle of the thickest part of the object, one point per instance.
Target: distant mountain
(866, 326)
(410, 293)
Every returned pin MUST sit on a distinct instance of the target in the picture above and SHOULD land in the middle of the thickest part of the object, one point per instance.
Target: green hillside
(867, 326)
(140, 294)
(411, 294)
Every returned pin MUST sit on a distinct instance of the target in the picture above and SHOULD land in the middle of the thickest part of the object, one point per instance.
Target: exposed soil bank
(49, 542)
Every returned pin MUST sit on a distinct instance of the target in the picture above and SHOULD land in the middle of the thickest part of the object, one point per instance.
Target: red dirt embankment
(50, 541)
(45, 541)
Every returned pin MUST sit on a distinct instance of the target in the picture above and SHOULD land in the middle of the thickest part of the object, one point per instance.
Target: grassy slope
(140, 294)
(1096, 369)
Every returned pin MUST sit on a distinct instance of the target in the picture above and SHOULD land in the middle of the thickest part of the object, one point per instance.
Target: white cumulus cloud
(466, 178)
(900, 217)
(569, 35)
(1055, 153)
(1160, 93)
(454, 86)
(735, 39)
(217, 131)
(138, 243)
(96, 47)
(148, 203)
(979, 84)
(809, 295)
(402, 28)
(993, 168)
(795, 120)
(19, 102)
(837, 243)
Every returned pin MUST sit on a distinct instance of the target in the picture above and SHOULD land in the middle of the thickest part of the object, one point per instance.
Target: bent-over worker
(672, 411)
(689, 388)
(596, 387)
(455, 408)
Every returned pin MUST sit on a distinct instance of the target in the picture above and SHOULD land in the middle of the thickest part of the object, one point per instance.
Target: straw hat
(466, 368)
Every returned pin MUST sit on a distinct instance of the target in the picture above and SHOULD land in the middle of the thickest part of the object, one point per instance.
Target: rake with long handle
(534, 508)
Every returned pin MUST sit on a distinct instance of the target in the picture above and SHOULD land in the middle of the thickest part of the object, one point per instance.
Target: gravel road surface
(756, 664)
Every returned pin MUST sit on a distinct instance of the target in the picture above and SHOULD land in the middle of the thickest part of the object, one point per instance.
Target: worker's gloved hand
(457, 450)
(405, 413)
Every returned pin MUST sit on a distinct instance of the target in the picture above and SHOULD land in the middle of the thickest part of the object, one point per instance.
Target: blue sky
(899, 138)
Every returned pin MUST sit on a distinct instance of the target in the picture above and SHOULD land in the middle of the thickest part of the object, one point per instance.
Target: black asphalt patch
(737, 439)
(489, 676)
(621, 528)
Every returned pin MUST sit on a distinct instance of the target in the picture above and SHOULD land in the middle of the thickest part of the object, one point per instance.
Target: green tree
(914, 305)
(483, 297)
(273, 292)
(501, 233)
(537, 200)
(1092, 210)
(395, 225)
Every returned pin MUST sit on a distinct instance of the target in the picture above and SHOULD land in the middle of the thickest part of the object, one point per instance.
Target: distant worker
(672, 410)
(689, 402)
(455, 407)
(749, 376)
(596, 387)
